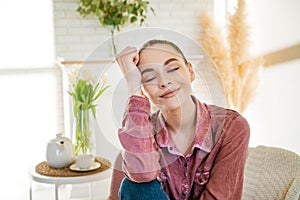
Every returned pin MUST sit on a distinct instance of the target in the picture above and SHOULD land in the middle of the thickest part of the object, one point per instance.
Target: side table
(61, 180)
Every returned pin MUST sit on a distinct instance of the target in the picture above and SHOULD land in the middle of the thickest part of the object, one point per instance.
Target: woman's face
(166, 78)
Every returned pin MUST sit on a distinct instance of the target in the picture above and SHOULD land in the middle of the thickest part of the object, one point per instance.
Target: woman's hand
(127, 60)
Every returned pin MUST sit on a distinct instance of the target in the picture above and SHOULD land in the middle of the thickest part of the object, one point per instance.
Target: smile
(169, 93)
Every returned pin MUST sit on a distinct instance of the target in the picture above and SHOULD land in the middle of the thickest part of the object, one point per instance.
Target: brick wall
(75, 37)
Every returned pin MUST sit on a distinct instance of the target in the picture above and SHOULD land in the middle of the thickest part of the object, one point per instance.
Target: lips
(169, 93)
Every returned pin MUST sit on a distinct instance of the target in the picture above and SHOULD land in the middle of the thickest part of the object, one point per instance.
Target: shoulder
(229, 122)
(221, 112)
(224, 114)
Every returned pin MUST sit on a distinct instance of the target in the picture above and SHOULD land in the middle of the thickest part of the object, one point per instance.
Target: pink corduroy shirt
(214, 167)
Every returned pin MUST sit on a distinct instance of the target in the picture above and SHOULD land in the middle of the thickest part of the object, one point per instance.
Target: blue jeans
(141, 191)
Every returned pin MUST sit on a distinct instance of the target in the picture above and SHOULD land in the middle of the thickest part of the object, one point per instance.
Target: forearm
(136, 136)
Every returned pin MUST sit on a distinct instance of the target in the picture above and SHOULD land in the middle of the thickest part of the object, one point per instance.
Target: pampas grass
(249, 84)
(214, 43)
(238, 34)
(238, 71)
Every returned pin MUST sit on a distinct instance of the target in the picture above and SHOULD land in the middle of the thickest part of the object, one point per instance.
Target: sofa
(271, 173)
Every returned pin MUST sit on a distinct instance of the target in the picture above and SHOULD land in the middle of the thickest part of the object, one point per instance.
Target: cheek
(150, 90)
(182, 79)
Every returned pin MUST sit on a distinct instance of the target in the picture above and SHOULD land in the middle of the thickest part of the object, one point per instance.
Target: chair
(271, 174)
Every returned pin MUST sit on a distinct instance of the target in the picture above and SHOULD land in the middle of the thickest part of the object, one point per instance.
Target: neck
(181, 119)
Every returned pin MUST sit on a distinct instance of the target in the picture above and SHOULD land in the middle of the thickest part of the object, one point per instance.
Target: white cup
(84, 161)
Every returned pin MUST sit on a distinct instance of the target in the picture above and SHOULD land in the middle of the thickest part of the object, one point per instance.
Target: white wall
(275, 24)
(273, 116)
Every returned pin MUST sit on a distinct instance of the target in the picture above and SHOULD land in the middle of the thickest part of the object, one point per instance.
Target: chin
(169, 105)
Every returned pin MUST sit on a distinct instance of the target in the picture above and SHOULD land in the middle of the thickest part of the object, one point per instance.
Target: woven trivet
(45, 169)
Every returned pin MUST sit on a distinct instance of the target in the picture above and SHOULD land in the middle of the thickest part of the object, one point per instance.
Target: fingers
(127, 60)
(129, 54)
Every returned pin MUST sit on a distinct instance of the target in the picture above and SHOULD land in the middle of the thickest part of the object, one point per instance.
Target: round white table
(58, 181)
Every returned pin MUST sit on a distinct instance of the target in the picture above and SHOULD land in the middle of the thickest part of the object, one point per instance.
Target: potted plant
(115, 13)
(84, 94)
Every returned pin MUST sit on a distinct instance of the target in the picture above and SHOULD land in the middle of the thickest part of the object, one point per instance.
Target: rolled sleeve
(141, 159)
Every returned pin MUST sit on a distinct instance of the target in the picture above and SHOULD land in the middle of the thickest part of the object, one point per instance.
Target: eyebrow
(165, 63)
(170, 60)
(147, 70)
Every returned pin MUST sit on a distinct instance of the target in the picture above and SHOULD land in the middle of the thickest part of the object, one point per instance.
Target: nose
(164, 82)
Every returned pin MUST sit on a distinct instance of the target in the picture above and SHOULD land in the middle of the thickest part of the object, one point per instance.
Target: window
(29, 85)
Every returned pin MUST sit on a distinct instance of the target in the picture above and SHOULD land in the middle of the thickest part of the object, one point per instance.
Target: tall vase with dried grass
(246, 67)
(214, 42)
(238, 70)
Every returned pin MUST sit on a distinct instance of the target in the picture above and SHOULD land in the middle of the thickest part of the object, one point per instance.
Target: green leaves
(115, 13)
(84, 95)
(133, 19)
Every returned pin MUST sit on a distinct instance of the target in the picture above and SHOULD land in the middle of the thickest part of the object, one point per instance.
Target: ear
(191, 71)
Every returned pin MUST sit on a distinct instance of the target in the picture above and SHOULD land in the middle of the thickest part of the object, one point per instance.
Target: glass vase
(84, 134)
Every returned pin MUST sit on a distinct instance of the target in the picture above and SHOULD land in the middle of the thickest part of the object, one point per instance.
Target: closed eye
(173, 69)
(149, 80)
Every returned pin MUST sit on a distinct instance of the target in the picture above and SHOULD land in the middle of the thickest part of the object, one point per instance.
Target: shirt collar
(203, 136)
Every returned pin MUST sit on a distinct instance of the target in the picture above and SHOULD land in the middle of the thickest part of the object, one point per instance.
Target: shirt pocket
(200, 181)
(201, 178)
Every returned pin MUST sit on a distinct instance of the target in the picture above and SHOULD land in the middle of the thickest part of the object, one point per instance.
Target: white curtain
(26, 36)
(29, 101)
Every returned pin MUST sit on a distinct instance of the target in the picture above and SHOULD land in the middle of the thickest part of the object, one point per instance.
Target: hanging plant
(115, 13)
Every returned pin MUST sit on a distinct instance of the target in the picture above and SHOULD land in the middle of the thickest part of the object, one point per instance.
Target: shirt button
(184, 193)
(171, 148)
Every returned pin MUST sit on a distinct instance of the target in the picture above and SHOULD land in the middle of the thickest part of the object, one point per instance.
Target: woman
(187, 149)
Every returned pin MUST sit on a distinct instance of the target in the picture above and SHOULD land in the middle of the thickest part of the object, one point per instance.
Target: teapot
(60, 152)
